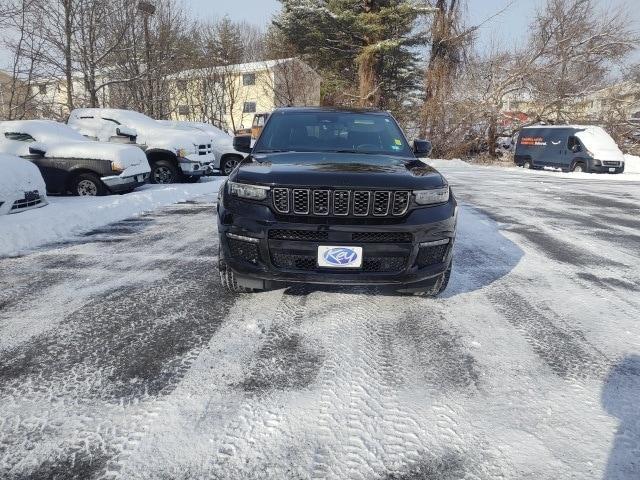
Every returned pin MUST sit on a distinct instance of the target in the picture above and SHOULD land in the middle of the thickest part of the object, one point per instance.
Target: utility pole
(147, 9)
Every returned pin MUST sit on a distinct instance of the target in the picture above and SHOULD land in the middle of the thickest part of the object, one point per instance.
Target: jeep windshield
(333, 132)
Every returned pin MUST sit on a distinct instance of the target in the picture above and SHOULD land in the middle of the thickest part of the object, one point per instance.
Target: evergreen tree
(364, 48)
(225, 44)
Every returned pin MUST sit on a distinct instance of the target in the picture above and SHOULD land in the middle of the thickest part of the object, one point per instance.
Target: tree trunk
(369, 66)
(67, 51)
(492, 135)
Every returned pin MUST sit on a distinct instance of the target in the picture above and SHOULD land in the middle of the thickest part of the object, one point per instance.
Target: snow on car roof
(131, 118)
(42, 130)
(203, 127)
(578, 127)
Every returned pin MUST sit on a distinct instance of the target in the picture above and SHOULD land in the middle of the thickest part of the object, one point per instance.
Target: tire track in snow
(566, 352)
(374, 369)
(110, 362)
(256, 416)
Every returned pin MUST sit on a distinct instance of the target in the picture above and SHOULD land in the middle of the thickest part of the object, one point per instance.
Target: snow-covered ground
(631, 173)
(65, 217)
(631, 164)
(121, 356)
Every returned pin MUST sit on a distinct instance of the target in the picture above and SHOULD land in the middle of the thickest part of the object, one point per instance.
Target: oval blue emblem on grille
(340, 256)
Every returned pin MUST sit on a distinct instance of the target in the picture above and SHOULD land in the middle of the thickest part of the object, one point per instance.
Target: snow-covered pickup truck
(226, 157)
(21, 185)
(72, 163)
(174, 155)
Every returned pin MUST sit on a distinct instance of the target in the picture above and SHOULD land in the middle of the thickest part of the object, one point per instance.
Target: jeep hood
(338, 170)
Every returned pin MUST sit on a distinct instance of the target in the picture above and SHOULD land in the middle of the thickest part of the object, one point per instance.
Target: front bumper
(196, 168)
(17, 203)
(117, 184)
(607, 168)
(385, 262)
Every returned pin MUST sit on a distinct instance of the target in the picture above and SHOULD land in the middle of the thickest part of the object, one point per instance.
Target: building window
(183, 110)
(182, 85)
(248, 79)
(42, 88)
(249, 107)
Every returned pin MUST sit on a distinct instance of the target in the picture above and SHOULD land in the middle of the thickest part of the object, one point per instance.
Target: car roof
(330, 110)
(558, 127)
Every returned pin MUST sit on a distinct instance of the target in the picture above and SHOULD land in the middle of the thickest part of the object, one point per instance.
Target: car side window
(19, 137)
(573, 144)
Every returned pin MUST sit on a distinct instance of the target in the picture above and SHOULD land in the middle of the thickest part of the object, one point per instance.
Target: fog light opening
(435, 243)
(242, 238)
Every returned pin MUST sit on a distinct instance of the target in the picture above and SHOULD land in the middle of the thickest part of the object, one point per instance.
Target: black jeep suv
(335, 197)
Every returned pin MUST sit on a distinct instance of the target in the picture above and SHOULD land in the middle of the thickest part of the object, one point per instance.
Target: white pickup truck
(174, 154)
(226, 157)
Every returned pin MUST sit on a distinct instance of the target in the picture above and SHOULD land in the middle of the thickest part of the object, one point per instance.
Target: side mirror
(422, 148)
(242, 143)
(37, 149)
(123, 131)
(576, 148)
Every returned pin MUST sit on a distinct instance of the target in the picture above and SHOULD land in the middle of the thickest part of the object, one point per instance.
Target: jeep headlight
(431, 197)
(117, 167)
(251, 192)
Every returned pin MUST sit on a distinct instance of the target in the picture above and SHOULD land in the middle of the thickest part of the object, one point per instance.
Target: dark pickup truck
(332, 196)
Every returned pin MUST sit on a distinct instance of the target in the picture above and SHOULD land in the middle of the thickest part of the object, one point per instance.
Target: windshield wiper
(354, 151)
(273, 151)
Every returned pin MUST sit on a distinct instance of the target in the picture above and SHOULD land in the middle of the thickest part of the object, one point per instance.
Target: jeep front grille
(323, 202)
(301, 201)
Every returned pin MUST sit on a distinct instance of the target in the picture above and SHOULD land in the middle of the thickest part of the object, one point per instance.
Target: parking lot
(122, 357)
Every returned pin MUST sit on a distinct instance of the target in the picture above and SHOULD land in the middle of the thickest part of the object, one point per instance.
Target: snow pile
(18, 176)
(631, 164)
(69, 216)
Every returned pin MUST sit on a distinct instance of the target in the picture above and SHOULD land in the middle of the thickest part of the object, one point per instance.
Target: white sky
(509, 27)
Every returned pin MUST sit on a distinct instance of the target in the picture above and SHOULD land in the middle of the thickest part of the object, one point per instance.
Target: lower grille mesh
(309, 263)
(431, 255)
(299, 235)
(245, 251)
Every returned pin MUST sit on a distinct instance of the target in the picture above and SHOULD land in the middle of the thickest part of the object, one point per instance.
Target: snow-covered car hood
(124, 155)
(222, 141)
(173, 139)
(18, 176)
(600, 144)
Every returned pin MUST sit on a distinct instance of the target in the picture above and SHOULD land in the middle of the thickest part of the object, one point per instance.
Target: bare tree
(579, 46)
(99, 35)
(293, 83)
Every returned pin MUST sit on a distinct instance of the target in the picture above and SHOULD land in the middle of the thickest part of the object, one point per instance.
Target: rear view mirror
(242, 143)
(421, 148)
